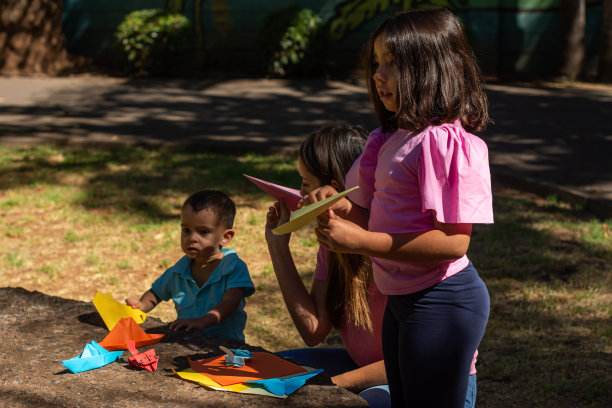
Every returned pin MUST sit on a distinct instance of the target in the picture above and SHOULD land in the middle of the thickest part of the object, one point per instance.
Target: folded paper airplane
(304, 215)
(112, 311)
(147, 360)
(93, 356)
(125, 330)
(288, 196)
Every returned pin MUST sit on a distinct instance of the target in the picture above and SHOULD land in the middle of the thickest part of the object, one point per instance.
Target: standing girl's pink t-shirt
(408, 177)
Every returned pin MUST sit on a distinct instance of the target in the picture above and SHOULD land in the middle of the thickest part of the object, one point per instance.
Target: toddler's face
(384, 75)
(309, 181)
(201, 233)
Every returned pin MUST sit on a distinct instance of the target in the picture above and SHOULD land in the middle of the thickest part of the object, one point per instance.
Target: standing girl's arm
(444, 242)
(306, 309)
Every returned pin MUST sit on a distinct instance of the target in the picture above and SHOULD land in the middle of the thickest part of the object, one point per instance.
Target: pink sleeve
(454, 176)
(367, 168)
(351, 180)
(320, 272)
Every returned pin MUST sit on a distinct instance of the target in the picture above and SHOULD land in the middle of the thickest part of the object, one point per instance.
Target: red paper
(147, 360)
(125, 330)
(261, 367)
(286, 195)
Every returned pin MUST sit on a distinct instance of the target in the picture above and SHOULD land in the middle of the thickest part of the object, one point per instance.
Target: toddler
(209, 284)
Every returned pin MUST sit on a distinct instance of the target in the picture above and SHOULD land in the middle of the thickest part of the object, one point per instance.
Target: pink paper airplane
(288, 196)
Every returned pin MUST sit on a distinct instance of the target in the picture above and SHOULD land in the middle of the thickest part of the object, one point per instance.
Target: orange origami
(125, 330)
(261, 367)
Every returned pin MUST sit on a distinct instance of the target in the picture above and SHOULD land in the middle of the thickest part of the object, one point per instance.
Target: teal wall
(508, 36)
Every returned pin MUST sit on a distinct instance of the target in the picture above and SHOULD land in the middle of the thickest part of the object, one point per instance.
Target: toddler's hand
(134, 303)
(188, 324)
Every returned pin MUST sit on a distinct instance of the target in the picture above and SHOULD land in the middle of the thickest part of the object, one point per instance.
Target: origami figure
(125, 330)
(93, 356)
(147, 360)
(288, 196)
(112, 311)
(236, 357)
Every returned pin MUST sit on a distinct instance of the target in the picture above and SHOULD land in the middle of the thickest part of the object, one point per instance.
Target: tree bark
(572, 23)
(604, 72)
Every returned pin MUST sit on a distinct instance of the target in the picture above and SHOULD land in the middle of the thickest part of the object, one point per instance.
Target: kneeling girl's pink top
(407, 178)
(363, 346)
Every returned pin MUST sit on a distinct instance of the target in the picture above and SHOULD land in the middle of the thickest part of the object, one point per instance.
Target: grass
(74, 221)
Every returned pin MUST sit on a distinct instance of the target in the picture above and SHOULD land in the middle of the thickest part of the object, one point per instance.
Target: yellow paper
(304, 215)
(199, 378)
(111, 311)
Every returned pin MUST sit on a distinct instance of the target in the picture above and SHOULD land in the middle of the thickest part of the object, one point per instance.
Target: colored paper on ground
(112, 311)
(147, 360)
(261, 367)
(285, 386)
(125, 330)
(246, 388)
(199, 378)
(306, 214)
(288, 196)
(93, 356)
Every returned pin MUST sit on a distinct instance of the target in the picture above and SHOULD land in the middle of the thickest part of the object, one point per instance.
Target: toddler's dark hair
(217, 202)
(437, 76)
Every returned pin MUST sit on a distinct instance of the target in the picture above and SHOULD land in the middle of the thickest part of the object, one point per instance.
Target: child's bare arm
(362, 377)
(227, 306)
(444, 242)
(146, 303)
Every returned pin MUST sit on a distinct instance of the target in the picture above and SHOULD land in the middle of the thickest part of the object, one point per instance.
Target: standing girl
(424, 181)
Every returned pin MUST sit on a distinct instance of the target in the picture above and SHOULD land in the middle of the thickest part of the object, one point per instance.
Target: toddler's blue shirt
(191, 301)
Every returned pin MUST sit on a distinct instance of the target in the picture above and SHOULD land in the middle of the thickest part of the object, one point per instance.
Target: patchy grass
(74, 221)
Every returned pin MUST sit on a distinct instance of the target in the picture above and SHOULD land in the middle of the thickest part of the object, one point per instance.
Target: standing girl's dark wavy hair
(437, 76)
(328, 154)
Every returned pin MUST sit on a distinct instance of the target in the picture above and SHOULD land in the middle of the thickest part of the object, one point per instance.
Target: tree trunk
(604, 73)
(572, 23)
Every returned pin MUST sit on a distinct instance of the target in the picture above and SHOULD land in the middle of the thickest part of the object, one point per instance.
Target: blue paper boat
(93, 356)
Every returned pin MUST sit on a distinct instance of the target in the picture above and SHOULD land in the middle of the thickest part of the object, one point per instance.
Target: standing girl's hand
(339, 235)
(341, 208)
(277, 215)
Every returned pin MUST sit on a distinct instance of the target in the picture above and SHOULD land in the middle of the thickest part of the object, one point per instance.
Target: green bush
(292, 41)
(154, 39)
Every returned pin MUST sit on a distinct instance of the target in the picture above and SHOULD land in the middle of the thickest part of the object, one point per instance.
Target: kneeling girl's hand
(277, 215)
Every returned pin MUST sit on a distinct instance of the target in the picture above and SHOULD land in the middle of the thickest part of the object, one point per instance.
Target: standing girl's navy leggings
(429, 339)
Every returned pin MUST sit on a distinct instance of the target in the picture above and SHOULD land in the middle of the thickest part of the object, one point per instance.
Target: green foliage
(154, 39)
(292, 42)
